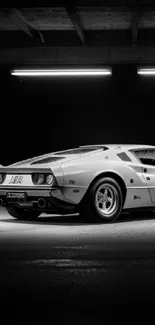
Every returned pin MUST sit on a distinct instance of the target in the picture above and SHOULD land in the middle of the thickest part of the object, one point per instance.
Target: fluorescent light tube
(146, 71)
(61, 72)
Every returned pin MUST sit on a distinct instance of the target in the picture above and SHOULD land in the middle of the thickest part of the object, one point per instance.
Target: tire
(22, 214)
(108, 192)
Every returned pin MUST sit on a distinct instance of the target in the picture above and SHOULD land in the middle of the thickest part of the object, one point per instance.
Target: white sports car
(96, 181)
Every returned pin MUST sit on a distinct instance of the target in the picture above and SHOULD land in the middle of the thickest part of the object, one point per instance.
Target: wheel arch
(110, 174)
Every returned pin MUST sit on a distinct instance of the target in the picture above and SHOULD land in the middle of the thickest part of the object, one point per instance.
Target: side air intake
(123, 156)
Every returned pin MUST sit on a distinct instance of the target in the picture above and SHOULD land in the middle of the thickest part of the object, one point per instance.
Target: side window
(146, 157)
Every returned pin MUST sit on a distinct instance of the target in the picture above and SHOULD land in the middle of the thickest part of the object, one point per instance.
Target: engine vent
(123, 156)
(46, 160)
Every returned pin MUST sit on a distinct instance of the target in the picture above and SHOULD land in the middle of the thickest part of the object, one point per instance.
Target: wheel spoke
(105, 193)
(104, 205)
(100, 197)
(109, 199)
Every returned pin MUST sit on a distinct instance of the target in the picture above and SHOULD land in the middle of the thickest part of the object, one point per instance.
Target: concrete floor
(61, 269)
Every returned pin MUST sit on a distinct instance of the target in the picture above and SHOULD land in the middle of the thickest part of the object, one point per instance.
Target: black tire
(22, 214)
(89, 208)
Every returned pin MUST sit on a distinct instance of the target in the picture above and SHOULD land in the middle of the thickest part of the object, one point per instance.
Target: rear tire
(22, 214)
(103, 202)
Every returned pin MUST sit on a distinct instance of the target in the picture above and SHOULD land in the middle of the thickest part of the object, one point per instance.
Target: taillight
(44, 179)
(50, 179)
(40, 179)
(2, 178)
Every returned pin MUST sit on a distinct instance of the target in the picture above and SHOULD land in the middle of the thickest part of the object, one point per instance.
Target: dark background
(39, 115)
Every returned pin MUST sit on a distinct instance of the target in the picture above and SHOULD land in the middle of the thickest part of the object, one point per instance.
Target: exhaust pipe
(41, 203)
(1, 202)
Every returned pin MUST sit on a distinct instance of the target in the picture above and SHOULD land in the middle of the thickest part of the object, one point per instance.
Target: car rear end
(30, 188)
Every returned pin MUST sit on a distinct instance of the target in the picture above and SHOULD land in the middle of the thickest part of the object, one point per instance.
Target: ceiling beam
(76, 21)
(77, 56)
(18, 19)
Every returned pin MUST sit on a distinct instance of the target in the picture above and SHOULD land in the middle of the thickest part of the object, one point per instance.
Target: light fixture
(61, 72)
(146, 71)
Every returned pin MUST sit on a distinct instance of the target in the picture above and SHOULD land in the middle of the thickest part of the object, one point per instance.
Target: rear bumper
(29, 192)
(50, 199)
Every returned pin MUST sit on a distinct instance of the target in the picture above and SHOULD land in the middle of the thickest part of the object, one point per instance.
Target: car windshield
(146, 156)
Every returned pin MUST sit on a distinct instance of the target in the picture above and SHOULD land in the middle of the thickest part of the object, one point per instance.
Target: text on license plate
(16, 179)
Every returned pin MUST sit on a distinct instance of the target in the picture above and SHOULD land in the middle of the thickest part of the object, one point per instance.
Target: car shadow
(129, 217)
(70, 220)
(67, 220)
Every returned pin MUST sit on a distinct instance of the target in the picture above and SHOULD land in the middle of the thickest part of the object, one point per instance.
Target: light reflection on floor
(89, 272)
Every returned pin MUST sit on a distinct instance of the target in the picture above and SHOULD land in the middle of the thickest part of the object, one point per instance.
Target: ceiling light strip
(62, 72)
(146, 71)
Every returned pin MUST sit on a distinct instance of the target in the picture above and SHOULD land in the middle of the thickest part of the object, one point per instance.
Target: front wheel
(22, 214)
(103, 202)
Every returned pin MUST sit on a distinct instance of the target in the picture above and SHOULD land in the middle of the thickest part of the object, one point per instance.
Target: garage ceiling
(116, 32)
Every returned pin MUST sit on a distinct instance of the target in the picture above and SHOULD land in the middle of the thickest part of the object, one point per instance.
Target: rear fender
(78, 177)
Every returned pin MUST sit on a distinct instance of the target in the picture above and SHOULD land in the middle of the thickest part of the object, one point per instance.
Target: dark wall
(42, 115)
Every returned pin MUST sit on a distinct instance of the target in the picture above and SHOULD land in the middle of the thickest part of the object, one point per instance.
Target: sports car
(96, 181)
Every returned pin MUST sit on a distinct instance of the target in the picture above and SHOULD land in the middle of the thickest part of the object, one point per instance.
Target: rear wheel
(103, 202)
(22, 214)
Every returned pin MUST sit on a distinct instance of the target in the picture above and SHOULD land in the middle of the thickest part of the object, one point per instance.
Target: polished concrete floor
(61, 269)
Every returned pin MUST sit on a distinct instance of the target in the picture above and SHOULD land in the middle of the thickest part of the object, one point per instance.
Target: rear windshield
(46, 160)
(79, 150)
(146, 156)
(52, 158)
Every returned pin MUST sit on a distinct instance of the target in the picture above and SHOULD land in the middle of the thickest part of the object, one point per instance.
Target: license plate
(16, 179)
(17, 195)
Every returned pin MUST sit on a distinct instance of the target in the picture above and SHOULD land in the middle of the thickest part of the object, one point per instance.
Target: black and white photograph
(77, 163)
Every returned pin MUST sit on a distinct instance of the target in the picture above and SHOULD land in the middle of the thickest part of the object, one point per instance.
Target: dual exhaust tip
(41, 202)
